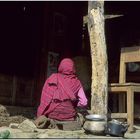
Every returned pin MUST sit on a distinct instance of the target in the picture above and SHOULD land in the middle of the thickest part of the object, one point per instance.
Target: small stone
(3, 111)
(13, 125)
(27, 126)
(43, 136)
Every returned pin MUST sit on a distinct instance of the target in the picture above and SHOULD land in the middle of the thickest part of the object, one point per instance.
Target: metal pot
(116, 128)
(95, 124)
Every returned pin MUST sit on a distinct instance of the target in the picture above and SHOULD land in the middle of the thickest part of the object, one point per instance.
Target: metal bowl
(95, 117)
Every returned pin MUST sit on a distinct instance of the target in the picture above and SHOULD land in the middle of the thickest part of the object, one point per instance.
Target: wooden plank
(130, 109)
(14, 90)
(130, 49)
(117, 89)
(136, 89)
(130, 58)
(85, 18)
(32, 91)
(124, 89)
(122, 72)
(124, 84)
(5, 78)
(118, 115)
(137, 116)
(23, 102)
(5, 100)
(122, 101)
(112, 16)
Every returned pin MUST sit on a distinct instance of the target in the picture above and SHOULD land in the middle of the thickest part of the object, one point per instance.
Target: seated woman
(61, 94)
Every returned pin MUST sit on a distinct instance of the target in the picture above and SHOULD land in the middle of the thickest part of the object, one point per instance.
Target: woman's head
(66, 66)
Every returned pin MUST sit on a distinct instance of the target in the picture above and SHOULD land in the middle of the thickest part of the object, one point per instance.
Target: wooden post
(99, 86)
(14, 90)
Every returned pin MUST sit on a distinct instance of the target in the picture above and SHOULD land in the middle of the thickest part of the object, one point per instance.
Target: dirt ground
(12, 114)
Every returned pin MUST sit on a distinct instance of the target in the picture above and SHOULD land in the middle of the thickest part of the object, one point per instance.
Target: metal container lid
(95, 117)
(115, 121)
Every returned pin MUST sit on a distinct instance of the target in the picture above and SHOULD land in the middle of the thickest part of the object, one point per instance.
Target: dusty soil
(12, 114)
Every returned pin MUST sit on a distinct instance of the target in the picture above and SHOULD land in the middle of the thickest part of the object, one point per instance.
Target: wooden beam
(118, 115)
(112, 16)
(85, 18)
(99, 86)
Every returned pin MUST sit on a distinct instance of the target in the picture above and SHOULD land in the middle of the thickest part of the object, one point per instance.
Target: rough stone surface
(27, 126)
(13, 125)
(3, 111)
(14, 114)
(5, 121)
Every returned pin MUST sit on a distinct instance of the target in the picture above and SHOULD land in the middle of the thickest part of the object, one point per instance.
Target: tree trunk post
(99, 86)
